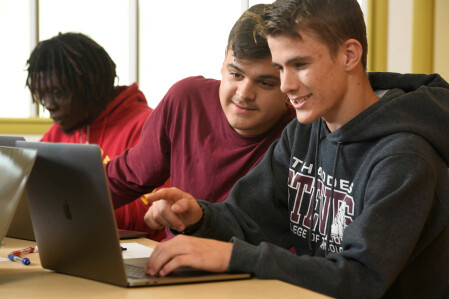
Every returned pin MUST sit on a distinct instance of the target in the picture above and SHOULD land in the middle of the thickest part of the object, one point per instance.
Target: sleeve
(377, 246)
(144, 167)
(256, 209)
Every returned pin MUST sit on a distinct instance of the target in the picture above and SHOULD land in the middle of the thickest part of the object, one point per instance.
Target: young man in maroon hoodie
(73, 77)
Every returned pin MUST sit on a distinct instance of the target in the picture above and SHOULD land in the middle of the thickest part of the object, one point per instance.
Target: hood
(413, 103)
(126, 95)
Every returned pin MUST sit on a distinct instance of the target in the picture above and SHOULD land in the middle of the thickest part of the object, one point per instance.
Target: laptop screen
(15, 168)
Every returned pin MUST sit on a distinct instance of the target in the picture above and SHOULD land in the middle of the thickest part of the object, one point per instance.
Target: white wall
(399, 52)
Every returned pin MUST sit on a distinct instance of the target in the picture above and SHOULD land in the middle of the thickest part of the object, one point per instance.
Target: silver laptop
(21, 227)
(15, 169)
(74, 223)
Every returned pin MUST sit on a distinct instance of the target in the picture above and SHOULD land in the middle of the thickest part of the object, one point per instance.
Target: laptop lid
(71, 212)
(20, 227)
(10, 141)
(15, 168)
(73, 218)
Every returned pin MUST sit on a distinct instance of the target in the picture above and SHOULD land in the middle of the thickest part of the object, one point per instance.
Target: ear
(353, 51)
(224, 60)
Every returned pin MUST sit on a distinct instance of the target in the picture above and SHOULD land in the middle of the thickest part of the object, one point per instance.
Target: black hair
(83, 68)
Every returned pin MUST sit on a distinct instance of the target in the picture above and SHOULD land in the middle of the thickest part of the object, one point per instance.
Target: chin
(68, 129)
(305, 120)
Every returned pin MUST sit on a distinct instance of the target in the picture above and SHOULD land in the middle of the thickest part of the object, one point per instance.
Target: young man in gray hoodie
(359, 185)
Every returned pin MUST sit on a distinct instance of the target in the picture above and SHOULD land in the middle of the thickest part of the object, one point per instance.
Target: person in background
(359, 184)
(205, 134)
(73, 77)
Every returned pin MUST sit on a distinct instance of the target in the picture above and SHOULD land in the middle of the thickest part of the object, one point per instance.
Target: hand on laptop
(172, 208)
(177, 209)
(204, 254)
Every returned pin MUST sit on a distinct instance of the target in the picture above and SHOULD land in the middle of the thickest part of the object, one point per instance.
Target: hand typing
(204, 254)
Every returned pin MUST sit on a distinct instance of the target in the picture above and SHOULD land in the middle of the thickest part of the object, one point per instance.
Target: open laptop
(20, 227)
(74, 223)
(15, 169)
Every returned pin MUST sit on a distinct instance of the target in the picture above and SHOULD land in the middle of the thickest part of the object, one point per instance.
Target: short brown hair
(246, 40)
(333, 21)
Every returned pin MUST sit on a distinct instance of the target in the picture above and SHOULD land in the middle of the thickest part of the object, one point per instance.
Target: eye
(300, 65)
(57, 93)
(266, 84)
(236, 75)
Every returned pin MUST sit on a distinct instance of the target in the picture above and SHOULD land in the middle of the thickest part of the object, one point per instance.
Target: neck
(358, 97)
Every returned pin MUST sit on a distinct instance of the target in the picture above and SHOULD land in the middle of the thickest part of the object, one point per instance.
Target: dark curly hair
(83, 68)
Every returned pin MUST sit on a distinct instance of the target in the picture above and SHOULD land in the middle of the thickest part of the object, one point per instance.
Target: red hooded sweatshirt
(116, 128)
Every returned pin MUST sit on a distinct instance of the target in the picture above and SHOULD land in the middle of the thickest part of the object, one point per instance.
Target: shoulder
(126, 112)
(404, 143)
(54, 134)
(194, 86)
(193, 83)
(408, 152)
(192, 91)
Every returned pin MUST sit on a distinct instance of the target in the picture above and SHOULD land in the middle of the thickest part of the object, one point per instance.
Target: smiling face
(315, 81)
(250, 95)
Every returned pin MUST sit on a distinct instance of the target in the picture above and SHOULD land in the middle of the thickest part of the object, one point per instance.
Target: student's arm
(144, 167)
(401, 216)
(381, 242)
(180, 211)
(377, 245)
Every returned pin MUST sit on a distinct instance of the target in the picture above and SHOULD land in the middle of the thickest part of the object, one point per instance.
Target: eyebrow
(261, 77)
(293, 60)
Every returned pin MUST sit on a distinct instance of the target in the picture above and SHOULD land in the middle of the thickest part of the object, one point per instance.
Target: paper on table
(135, 250)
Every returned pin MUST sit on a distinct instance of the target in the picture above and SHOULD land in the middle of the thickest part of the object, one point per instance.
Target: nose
(289, 82)
(245, 90)
(49, 102)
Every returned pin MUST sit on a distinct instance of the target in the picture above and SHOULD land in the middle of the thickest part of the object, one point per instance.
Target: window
(177, 38)
(154, 43)
(180, 39)
(16, 44)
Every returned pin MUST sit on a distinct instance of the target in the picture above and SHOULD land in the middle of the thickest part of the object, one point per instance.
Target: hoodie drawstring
(317, 150)
(331, 203)
(102, 133)
(313, 198)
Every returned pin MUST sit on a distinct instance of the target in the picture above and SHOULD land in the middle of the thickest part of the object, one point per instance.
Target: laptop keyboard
(135, 271)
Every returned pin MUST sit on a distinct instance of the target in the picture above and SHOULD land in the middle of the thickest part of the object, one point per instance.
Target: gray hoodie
(378, 190)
